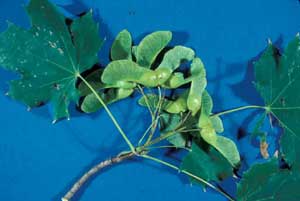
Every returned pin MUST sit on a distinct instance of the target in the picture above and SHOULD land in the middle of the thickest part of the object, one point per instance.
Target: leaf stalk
(238, 109)
(189, 174)
(132, 148)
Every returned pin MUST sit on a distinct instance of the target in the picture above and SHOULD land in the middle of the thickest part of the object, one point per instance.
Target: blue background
(40, 161)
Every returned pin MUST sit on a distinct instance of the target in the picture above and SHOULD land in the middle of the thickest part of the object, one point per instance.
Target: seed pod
(197, 87)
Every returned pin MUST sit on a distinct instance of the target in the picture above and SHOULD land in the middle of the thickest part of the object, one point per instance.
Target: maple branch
(94, 170)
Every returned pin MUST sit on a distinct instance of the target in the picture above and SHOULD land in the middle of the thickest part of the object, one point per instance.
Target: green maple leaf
(269, 183)
(278, 82)
(207, 163)
(49, 56)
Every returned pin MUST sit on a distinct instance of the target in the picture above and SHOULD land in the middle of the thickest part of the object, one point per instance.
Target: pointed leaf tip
(269, 41)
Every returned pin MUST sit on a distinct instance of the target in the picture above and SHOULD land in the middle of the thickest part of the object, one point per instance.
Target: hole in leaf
(56, 86)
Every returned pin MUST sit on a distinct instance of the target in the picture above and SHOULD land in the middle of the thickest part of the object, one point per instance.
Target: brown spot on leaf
(264, 149)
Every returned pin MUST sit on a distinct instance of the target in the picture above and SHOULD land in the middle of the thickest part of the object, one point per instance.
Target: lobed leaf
(46, 57)
(86, 40)
(207, 164)
(278, 81)
(267, 182)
